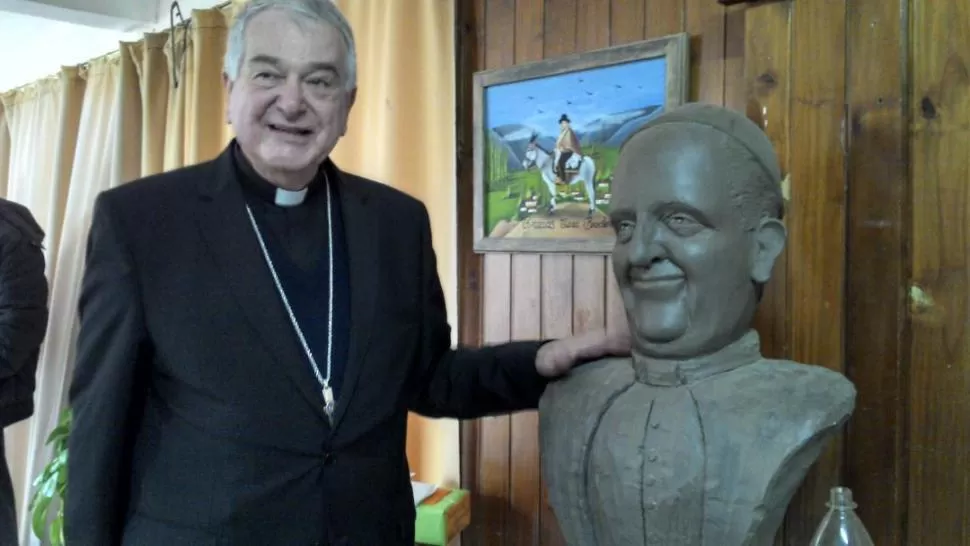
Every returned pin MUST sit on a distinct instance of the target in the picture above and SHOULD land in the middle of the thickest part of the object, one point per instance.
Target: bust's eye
(682, 223)
(624, 230)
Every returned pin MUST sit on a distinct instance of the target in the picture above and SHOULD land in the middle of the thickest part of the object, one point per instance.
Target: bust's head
(697, 209)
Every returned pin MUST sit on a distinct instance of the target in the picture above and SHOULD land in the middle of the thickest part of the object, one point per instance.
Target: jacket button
(327, 459)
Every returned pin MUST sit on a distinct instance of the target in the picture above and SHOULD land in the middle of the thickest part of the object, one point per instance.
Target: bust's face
(683, 260)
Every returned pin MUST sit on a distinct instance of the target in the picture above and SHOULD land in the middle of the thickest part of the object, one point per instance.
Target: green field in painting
(506, 191)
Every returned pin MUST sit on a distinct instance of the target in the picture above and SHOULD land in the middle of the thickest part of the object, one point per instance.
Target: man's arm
(23, 303)
(467, 383)
(107, 383)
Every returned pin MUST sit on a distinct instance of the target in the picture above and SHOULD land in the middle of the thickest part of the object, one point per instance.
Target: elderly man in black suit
(255, 329)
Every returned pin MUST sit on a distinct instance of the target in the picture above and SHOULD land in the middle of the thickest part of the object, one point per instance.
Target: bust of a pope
(695, 440)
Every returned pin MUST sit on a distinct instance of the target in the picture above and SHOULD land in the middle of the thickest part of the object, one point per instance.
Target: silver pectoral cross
(328, 401)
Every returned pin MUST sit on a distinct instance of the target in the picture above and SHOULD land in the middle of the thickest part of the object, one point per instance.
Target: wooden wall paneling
(663, 17)
(557, 307)
(817, 225)
(876, 233)
(490, 519)
(705, 21)
(525, 499)
(524, 486)
(735, 90)
(767, 73)
(469, 55)
(591, 19)
(560, 28)
(627, 21)
(939, 380)
(491, 513)
(593, 24)
(767, 89)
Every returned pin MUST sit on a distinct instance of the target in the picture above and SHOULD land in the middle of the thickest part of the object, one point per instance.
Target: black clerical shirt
(297, 240)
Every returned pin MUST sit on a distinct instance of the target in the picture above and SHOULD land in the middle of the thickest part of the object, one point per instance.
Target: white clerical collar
(289, 198)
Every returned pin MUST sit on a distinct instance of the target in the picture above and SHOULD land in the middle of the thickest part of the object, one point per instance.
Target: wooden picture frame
(520, 112)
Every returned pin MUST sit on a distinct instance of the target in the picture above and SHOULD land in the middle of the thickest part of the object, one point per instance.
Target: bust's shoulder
(604, 371)
(588, 385)
(783, 387)
(797, 373)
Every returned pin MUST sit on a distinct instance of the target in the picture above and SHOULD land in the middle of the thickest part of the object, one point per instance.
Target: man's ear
(769, 241)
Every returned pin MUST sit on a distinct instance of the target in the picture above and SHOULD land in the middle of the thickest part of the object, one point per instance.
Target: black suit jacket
(196, 418)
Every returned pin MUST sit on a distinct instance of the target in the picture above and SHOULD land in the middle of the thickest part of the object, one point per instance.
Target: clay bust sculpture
(697, 440)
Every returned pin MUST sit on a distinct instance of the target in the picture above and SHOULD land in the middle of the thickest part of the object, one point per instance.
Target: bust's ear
(769, 241)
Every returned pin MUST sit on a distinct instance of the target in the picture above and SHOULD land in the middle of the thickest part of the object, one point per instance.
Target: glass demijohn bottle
(841, 526)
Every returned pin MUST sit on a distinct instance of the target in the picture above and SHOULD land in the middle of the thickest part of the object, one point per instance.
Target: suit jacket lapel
(361, 226)
(226, 229)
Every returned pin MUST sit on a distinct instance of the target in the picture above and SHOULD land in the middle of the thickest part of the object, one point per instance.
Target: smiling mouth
(658, 282)
(665, 278)
(295, 131)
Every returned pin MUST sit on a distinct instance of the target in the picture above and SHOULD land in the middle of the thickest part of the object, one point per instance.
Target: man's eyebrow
(264, 59)
(276, 63)
(323, 66)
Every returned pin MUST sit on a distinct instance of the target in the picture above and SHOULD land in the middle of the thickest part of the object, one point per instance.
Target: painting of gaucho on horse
(551, 144)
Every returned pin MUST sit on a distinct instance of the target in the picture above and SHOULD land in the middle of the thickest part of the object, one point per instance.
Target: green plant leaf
(57, 530)
(39, 520)
(51, 485)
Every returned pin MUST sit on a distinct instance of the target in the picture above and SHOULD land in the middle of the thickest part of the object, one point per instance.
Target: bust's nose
(645, 249)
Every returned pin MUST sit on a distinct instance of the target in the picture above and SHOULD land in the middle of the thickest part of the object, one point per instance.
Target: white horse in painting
(545, 161)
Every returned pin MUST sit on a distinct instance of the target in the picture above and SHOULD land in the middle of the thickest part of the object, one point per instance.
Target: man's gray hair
(304, 11)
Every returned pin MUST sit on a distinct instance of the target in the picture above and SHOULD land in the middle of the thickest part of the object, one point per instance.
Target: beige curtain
(120, 117)
(42, 123)
(402, 132)
(85, 131)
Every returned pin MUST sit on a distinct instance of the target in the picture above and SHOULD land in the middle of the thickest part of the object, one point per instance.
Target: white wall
(33, 47)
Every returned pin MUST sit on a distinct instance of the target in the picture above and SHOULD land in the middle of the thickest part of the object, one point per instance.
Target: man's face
(682, 259)
(290, 103)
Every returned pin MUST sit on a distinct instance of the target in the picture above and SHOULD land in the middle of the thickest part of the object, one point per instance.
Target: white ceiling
(35, 46)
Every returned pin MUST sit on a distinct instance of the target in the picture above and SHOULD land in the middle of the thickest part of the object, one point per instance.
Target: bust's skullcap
(734, 124)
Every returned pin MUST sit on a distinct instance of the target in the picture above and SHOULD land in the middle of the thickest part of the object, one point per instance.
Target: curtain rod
(180, 25)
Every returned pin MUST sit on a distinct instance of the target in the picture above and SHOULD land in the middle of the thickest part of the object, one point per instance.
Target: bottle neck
(840, 498)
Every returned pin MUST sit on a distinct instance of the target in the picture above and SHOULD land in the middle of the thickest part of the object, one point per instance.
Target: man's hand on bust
(558, 357)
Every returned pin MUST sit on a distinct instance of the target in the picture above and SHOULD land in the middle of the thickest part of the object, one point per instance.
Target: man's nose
(644, 246)
(290, 100)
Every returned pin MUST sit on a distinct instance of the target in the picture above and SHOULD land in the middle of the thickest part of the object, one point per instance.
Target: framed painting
(546, 139)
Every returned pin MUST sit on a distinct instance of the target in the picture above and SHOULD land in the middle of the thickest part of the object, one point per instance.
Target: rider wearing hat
(567, 144)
